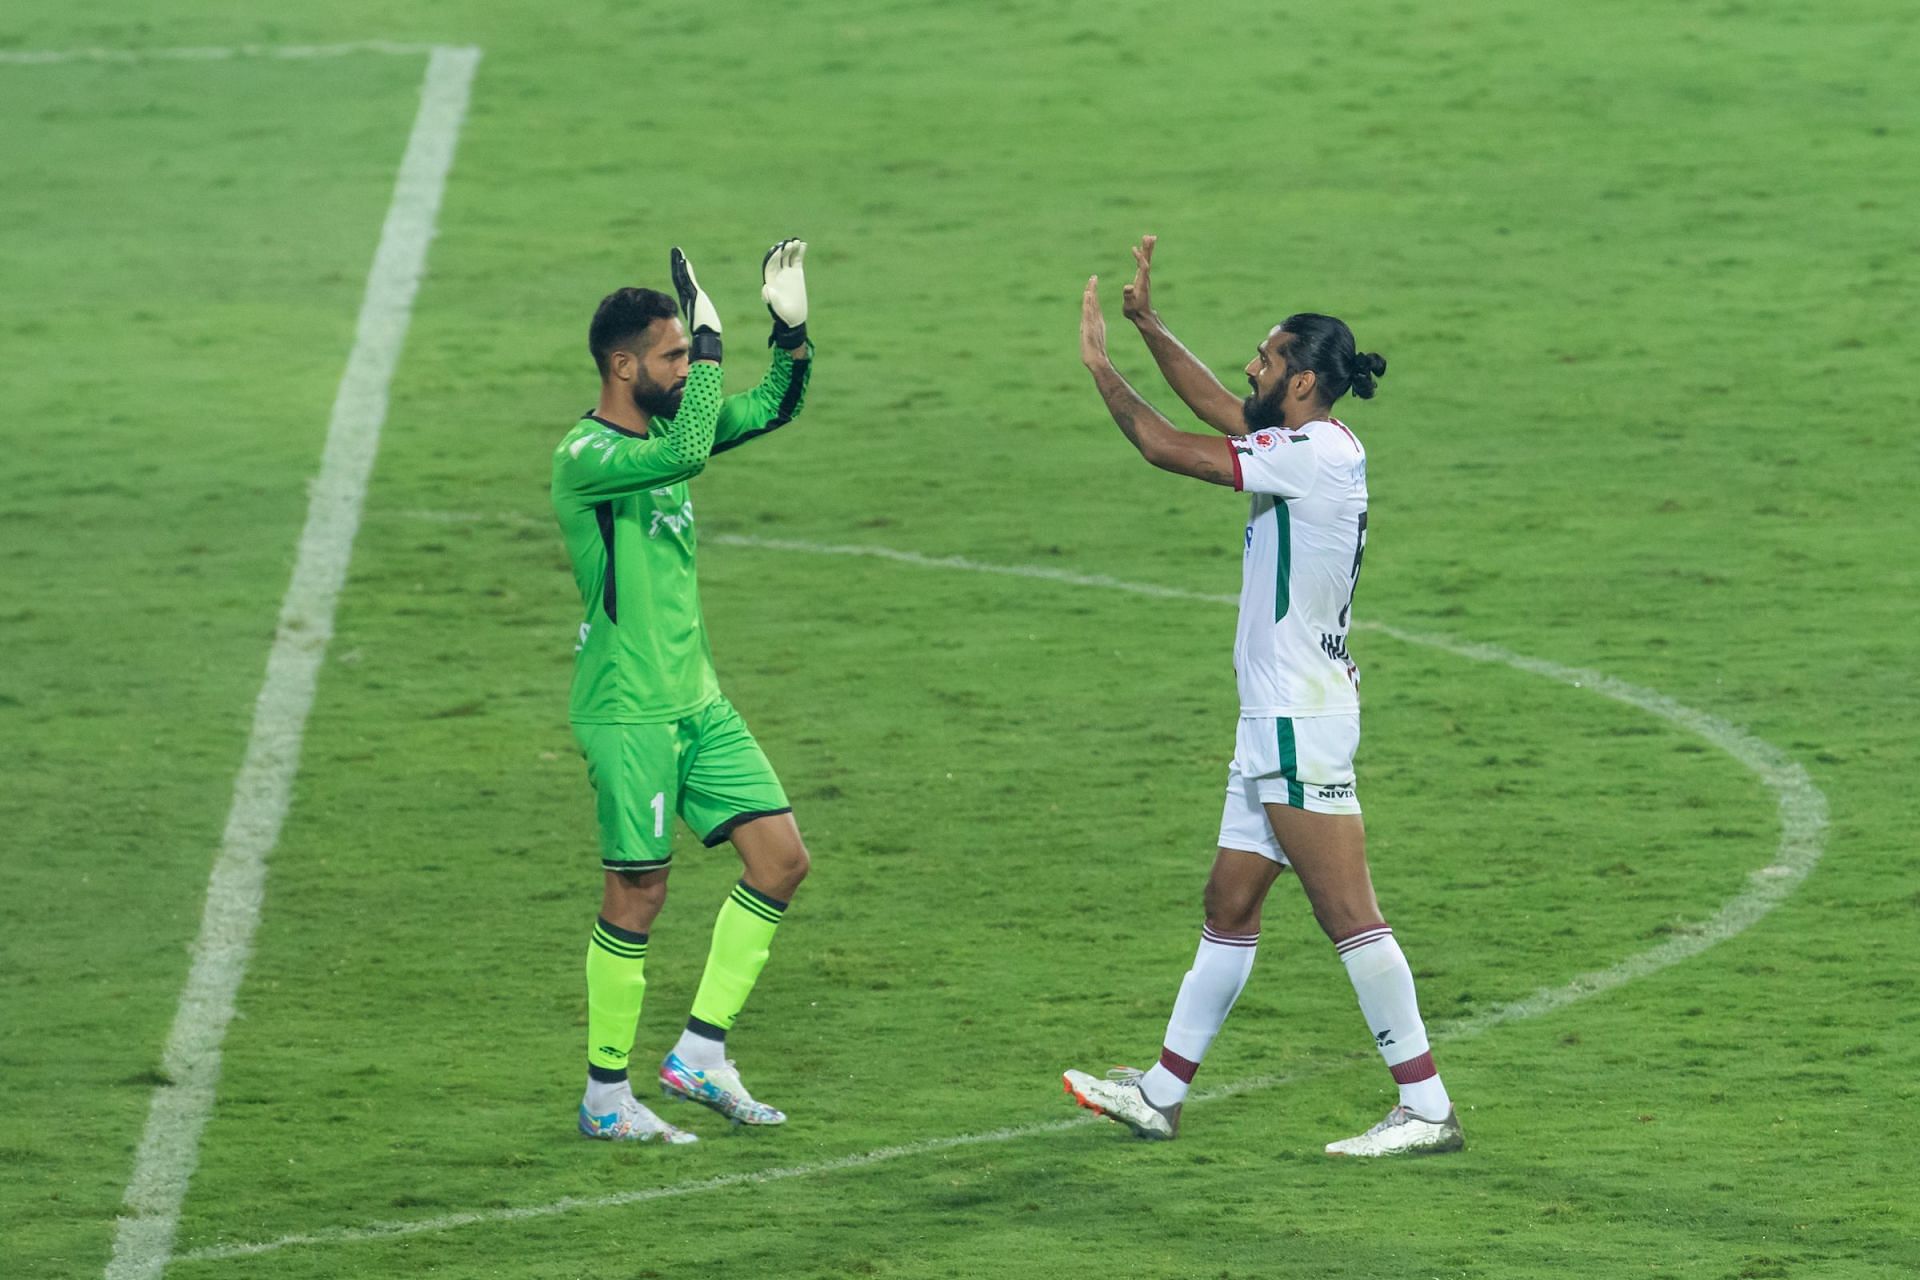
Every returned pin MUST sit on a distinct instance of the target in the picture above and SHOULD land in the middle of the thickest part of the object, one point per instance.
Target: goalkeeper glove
(703, 322)
(784, 287)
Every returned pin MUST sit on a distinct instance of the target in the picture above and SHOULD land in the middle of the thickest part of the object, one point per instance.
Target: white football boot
(717, 1088)
(1403, 1133)
(629, 1121)
(1120, 1099)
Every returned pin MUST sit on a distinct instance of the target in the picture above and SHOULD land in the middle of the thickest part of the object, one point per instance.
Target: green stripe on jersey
(1283, 560)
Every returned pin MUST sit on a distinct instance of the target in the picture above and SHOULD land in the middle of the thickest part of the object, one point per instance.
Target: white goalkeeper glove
(703, 322)
(783, 286)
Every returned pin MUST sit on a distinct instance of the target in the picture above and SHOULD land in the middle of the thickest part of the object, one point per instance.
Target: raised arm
(1192, 381)
(778, 400)
(783, 392)
(611, 463)
(1184, 453)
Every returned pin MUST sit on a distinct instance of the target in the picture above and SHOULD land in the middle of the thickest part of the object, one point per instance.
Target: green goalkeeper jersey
(624, 510)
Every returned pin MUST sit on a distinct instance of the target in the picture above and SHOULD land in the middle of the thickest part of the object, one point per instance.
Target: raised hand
(783, 287)
(1093, 327)
(1136, 302)
(703, 322)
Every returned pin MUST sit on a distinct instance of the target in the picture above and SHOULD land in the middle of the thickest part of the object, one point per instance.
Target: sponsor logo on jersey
(1334, 646)
(677, 521)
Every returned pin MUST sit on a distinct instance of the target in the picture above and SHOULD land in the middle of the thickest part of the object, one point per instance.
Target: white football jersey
(1305, 535)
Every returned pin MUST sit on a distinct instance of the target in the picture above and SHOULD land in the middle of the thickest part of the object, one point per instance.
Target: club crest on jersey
(1265, 440)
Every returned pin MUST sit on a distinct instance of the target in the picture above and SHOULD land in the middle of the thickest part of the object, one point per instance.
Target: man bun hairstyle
(1367, 366)
(1325, 345)
(623, 316)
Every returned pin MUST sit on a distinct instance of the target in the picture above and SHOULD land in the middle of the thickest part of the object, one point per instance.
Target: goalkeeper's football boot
(717, 1088)
(1403, 1133)
(1120, 1098)
(631, 1122)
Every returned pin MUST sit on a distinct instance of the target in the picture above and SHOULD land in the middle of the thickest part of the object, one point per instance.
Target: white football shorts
(1305, 762)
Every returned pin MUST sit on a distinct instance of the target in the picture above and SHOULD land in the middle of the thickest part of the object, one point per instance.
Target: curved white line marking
(1803, 824)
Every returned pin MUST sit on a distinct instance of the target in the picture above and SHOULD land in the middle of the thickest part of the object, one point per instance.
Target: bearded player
(659, 738)
(1291, 800)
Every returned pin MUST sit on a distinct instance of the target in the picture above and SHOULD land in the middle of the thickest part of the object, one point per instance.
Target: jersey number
(659, 813)
(1359, 550)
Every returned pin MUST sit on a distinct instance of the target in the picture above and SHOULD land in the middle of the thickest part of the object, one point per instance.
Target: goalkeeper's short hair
(623, 316)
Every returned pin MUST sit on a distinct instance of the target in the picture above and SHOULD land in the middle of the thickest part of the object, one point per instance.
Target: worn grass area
(1643, 277)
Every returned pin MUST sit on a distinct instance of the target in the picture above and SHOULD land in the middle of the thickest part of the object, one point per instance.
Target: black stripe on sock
(706, 1030)
(753, 908)
(767, 898)
(606, 1075)
(620, 950)
(618, 934)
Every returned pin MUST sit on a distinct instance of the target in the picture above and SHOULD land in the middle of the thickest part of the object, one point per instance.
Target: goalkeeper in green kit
(659, 738)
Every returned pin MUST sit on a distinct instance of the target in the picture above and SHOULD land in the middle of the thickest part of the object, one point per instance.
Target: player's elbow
(1168, 455)
(1155, 451)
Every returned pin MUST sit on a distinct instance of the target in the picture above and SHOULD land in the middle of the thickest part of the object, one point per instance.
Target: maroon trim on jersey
(1239, 481)
(1181, 1068)
(1414, 1070)
(1343, 426)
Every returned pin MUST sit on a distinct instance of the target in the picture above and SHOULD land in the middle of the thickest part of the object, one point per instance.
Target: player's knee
(1229, 908)
(633, 900)
(793, 866)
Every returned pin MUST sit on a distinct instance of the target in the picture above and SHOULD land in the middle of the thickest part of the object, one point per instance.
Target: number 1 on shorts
(659, 813)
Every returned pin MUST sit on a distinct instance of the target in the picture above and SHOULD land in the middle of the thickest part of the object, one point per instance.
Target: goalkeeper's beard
(1266, 412)
(656, 401)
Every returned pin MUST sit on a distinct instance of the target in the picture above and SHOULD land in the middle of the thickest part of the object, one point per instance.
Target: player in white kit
(1291, 799)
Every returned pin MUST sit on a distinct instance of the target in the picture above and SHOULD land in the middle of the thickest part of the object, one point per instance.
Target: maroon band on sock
(1414, 1070)
(1339, 938)
(1365, 936)
(1209, 934)
(1180, 1068)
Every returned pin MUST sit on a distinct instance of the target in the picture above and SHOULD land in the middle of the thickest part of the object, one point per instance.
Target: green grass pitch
(1644, 274)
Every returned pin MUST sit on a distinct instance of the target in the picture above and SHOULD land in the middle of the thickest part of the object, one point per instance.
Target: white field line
(223, 53)
(1803, 824)
(169, 1147)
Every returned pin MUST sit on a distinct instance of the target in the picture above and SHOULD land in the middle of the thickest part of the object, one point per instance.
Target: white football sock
(1220, 969)
(1384, 983)
(604, 1096)
(702, 1053)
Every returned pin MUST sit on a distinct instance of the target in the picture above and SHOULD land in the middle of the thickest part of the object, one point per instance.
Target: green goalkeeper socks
(742, 937)
(616, 982)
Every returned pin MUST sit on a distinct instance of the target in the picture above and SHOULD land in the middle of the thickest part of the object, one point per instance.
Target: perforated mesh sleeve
(690, 439)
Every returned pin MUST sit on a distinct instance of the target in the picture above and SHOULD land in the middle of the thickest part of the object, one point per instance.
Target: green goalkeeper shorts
(705, 767)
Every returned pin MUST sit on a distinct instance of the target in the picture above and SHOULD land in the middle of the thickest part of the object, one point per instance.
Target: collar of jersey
(614, 426)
